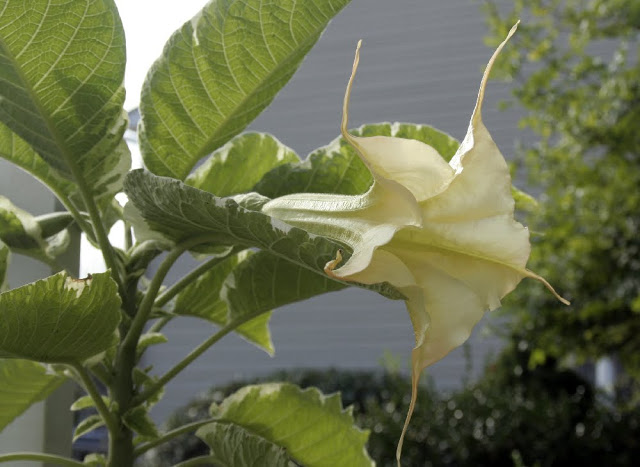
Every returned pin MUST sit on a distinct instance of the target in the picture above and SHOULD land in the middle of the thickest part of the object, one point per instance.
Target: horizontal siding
(421, 62)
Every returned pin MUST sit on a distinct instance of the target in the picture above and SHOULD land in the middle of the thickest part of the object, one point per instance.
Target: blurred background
(538, 383)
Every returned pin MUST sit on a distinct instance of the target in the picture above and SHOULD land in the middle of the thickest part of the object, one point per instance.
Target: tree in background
(577, 68)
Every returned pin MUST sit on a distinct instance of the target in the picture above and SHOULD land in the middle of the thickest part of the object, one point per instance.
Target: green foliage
(22, 383)
(233, 446)
(62, 65)
(219, 71)
(546, 416)
(578, 74)
(60, 319)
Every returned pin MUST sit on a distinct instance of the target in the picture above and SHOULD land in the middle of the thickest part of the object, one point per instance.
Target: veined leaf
(238, 165)
(23, 234)
(16, 150)
(60, 319)
(314, 428)
(61, 73)
(202, 299)
(265, 281)
(167, 208)
(233, 446)
(23, 383)
(219, 71)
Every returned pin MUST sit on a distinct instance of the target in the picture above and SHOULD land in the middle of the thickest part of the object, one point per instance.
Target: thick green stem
(121, 442)
(188, 428)
(195, 353)
(87, 382)
(42, 457)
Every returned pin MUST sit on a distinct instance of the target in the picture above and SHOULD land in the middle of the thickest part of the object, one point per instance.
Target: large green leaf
(61, 72)
(336, 168)
(314, 428)
(60, 319)
(266, 281)
(16, 150)
(219, 71)
(202, 299)
(23, 233)
(23, 383)
(240, 164)
(233, 446)
(167, 208)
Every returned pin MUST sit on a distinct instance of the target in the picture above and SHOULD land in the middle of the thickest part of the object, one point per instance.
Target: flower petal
(413, 164)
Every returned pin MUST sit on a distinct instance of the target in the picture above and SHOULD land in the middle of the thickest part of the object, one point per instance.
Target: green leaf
(23, 383)
(143, 380)
(95, 460)
(16, 150)
(149, 338)
(23, 234)
(139, 421)
(4, 264)
(85, 402)
(61, 74)
(314, 428)
(265, 281)
(87, 425)
(219, 71)
(336, 168)
(167, 208)
(232, 446)
(202, 299)
(240, 164)
(60, 319)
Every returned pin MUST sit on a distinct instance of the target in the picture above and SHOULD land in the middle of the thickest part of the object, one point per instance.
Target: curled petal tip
(331, 265)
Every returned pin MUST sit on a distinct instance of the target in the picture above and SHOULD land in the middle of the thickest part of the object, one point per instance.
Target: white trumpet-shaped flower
(442, 233)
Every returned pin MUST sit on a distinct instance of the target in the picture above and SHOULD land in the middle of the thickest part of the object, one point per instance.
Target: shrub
(545, 417)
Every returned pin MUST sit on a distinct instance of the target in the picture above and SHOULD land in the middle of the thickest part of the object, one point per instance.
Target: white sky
(147, 25)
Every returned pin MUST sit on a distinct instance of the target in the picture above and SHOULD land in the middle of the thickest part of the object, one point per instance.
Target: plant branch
(160, 323)
(91, 388)
(144, 310)
(38, 456)
(189, 427)
(176, 288)
(99, 230)
(195, 353)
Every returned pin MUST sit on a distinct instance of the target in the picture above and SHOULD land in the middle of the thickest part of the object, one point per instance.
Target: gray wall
(422, 61)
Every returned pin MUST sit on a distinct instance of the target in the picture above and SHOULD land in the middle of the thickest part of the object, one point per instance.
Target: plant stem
(121, 441)
(104, 412)
(189, 427)
(176, 288)
(160, 323)
(128, 237)
(195, 353)
(100, 232)
(42, 457)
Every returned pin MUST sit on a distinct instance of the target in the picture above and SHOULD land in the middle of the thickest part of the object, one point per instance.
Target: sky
(147, 25)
